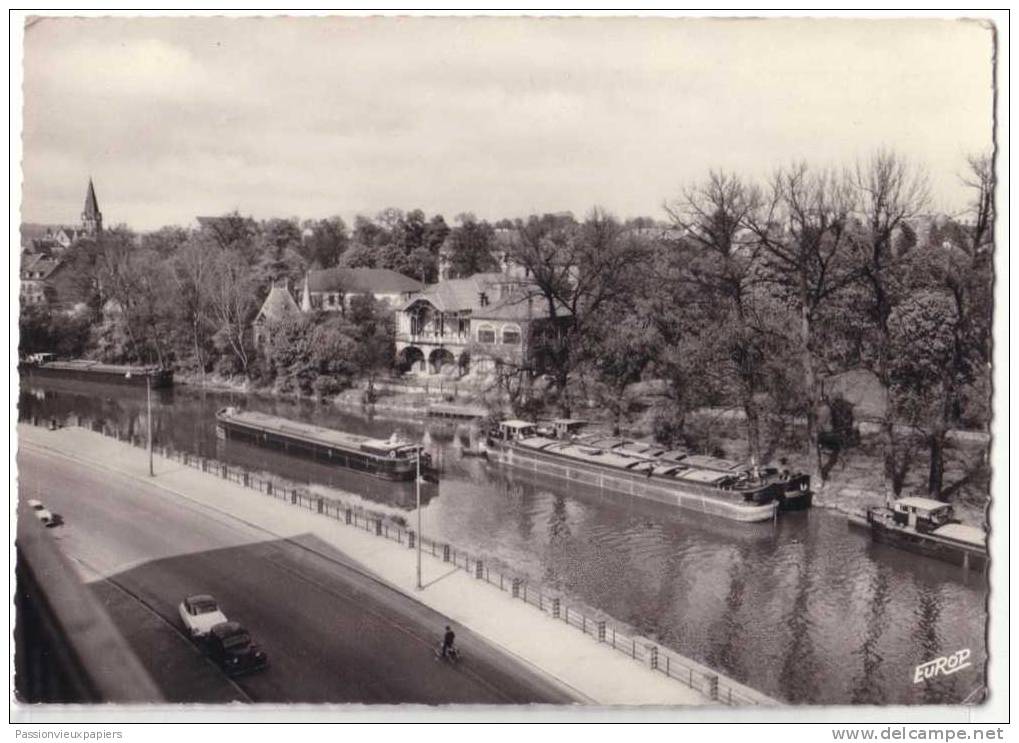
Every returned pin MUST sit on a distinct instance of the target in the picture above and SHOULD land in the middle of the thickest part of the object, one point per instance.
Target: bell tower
(92, 218)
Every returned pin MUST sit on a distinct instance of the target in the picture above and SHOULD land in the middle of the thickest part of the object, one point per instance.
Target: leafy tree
(374, 336)
(470, 247)
(324, 242)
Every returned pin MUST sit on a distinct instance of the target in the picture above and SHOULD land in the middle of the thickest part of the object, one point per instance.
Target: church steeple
(92, 218)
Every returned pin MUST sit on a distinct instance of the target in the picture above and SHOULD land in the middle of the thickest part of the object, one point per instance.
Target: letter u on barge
(388, 459)
(688, 488)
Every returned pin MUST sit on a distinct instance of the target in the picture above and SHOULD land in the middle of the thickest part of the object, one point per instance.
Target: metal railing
(552, 603)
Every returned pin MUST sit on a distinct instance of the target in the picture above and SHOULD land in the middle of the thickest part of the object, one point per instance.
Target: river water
(806, 610)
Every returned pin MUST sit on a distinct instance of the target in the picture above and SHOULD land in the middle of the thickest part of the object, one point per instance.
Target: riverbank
(855, 477)
(577, 660)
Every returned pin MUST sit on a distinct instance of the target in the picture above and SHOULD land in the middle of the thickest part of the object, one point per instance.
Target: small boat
(927, 527)
(608, 464)
(388, 459)
(93, 371)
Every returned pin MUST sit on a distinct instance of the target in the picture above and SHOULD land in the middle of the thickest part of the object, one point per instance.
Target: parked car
(230, 646)
(200, 613)
(44, 514)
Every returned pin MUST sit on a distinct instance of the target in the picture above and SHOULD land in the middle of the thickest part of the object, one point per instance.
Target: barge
(927, 527)
(94, 371)
(387, 459)
(794, 492)
(520, 444)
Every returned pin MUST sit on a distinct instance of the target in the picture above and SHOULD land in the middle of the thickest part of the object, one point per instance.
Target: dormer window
(483, 299)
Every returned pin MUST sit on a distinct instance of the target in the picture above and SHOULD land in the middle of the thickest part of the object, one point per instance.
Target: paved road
(332, 632)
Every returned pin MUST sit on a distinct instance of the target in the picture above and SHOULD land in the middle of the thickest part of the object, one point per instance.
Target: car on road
(230, 646)
(200, 613)
(44, 514)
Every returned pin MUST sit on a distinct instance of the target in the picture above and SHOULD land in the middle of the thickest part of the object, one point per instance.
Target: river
(805, 610)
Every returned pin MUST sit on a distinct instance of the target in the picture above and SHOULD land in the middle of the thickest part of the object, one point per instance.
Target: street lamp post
(417, 488)
(148, 416)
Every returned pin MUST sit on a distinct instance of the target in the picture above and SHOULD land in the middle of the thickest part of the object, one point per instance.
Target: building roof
(458, 295)
(921, 504)
(277, 306)
(361, 281)
(39, 264)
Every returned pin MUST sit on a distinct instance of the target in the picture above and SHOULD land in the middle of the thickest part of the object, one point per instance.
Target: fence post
(348, 516)
(293, 495)
(712, 686)
(516, 587)
(555, 608)
(268, 487)
(445, 553)
(321, 505)
(633, 651)
(601, 630)
(583, 623)
(247, 480)
(411, 539)
(224, 471)
(654, 657)
(479, 569)
(378, 527)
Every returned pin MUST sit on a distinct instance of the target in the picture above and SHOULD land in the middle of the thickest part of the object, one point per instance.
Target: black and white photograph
(503, 362)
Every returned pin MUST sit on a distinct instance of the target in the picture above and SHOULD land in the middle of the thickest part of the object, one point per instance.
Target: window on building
(483, 299)
(463, 326)
(486, 334)
(511, 335)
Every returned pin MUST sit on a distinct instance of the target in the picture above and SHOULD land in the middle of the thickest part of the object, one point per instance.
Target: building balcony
(435, 339)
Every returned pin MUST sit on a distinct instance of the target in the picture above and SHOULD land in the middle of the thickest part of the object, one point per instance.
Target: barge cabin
(928, 527)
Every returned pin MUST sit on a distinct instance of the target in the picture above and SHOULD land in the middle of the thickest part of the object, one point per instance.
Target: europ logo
(946, 665)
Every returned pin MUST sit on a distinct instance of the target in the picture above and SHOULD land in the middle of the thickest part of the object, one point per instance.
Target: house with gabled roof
(331, 289)
(473, 325)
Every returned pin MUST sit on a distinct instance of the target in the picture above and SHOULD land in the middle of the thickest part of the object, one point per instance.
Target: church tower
(92, 218)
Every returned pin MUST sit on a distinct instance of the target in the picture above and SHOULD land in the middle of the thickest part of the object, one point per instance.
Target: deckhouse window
(486, 334)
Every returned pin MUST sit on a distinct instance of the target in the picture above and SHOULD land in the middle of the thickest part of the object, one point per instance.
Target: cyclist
(447, 643)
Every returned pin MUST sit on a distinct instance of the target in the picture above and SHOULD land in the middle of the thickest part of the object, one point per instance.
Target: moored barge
(388, 459)
(94, 371)
(519, 444)
(927, 527)
(794, 492)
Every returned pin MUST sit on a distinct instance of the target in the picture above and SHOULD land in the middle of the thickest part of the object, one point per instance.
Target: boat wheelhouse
(928, 527)
(606, 463)
(389, 459)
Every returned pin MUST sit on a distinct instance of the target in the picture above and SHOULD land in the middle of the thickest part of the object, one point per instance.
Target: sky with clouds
(314, 117)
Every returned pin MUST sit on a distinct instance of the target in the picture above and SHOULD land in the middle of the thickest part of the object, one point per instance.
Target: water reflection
(804, 609)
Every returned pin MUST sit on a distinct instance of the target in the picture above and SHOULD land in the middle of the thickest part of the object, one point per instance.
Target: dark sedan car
(230, 645)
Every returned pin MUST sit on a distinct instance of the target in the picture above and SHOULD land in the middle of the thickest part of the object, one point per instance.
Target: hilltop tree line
(749, 295)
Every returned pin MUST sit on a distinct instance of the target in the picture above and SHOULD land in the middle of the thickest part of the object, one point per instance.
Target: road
(333, 633)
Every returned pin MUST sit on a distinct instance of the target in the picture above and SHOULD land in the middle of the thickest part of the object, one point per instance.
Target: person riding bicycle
(447, 643)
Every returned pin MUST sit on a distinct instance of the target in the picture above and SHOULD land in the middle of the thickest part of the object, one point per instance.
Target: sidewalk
(594, 673)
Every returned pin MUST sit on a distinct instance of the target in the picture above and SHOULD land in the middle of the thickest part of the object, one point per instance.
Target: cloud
(283, 116)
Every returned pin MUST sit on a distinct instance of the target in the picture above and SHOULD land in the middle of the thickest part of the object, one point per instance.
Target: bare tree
(233, 303)
(710, 220)
(574, 271)
(803, 232)
(889, 192)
